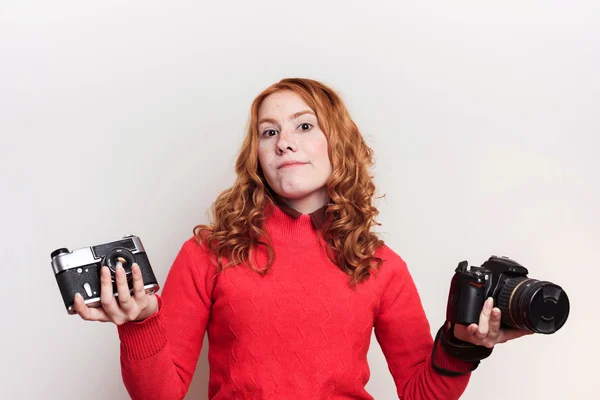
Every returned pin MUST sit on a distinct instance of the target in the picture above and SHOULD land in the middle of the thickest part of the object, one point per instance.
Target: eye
(305, 126)
(270, 132)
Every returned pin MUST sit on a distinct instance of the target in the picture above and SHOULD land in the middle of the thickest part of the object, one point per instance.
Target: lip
(290, 164)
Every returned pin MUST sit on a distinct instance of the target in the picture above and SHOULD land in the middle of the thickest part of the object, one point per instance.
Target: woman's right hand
(124, 307)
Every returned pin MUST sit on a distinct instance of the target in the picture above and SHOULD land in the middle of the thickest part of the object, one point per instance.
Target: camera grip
(465, 301)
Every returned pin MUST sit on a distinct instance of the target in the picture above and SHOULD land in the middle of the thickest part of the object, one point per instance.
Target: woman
(288, 280)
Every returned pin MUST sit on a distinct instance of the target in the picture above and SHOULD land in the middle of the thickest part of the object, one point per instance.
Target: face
(292, 149)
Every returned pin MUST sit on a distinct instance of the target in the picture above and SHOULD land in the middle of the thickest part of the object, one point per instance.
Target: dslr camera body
(79, 270)
(525, 303)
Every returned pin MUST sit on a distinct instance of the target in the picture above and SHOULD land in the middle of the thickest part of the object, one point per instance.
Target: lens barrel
(533, 305)
(124, 256)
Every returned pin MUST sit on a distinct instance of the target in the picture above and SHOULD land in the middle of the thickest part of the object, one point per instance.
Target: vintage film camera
(525, 303)
(79, 270)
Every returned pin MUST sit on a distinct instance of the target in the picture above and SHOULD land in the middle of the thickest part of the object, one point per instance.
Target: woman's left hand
(488, 333)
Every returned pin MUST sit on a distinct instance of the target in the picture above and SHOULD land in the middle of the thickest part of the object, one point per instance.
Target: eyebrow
(294, 116)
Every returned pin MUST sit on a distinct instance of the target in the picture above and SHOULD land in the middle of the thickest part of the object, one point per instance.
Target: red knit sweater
(300, 332)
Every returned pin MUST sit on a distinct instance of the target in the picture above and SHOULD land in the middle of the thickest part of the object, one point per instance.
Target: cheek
(262, 155)
(265, 160)
(322, 153)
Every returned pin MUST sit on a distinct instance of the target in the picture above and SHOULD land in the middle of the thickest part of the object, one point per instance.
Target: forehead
(282, 104)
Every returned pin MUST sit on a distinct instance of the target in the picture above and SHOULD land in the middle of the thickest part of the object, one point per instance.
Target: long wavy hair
(238, 224)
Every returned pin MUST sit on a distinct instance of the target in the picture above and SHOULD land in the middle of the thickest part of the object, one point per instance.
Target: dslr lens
(533, 305)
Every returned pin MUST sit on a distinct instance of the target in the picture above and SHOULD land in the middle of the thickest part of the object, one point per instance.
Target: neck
(310, 203)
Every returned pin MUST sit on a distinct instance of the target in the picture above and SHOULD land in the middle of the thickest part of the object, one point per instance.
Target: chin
(294, 194)
(297, 188)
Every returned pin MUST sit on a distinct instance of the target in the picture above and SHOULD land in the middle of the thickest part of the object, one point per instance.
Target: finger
(472, 329)
(460, 331)
(125, 300)
(88, 313)
(509, 334)
(107, 299)
(484, 319)
(465, 333)
(139, 293)
(494, 323)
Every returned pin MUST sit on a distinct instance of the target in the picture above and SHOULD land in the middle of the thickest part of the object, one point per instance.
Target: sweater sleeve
(403, 333)
(159, 355)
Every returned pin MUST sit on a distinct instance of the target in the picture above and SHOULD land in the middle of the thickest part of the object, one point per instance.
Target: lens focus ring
(507, 300)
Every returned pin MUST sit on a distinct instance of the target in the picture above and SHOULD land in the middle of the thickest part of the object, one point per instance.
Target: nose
(286, 143)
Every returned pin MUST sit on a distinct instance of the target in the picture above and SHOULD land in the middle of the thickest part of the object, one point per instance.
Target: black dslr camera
(525, 303)
(79, 270)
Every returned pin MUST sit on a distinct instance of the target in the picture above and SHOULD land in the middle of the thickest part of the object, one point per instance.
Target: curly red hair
(238, 212)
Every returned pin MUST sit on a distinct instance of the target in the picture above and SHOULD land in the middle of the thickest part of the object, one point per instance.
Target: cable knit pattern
(300, 332)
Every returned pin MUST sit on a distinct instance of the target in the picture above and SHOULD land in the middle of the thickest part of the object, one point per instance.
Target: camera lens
(533, 305)
(116, 255)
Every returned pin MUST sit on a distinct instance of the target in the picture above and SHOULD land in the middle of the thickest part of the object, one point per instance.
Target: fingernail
(77, 295)
(489, 303)
(119, 265)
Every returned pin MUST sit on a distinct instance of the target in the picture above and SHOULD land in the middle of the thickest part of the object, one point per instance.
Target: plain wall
(126, 117)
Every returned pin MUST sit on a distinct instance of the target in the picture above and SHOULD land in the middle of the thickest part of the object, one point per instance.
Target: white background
(126, 117)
